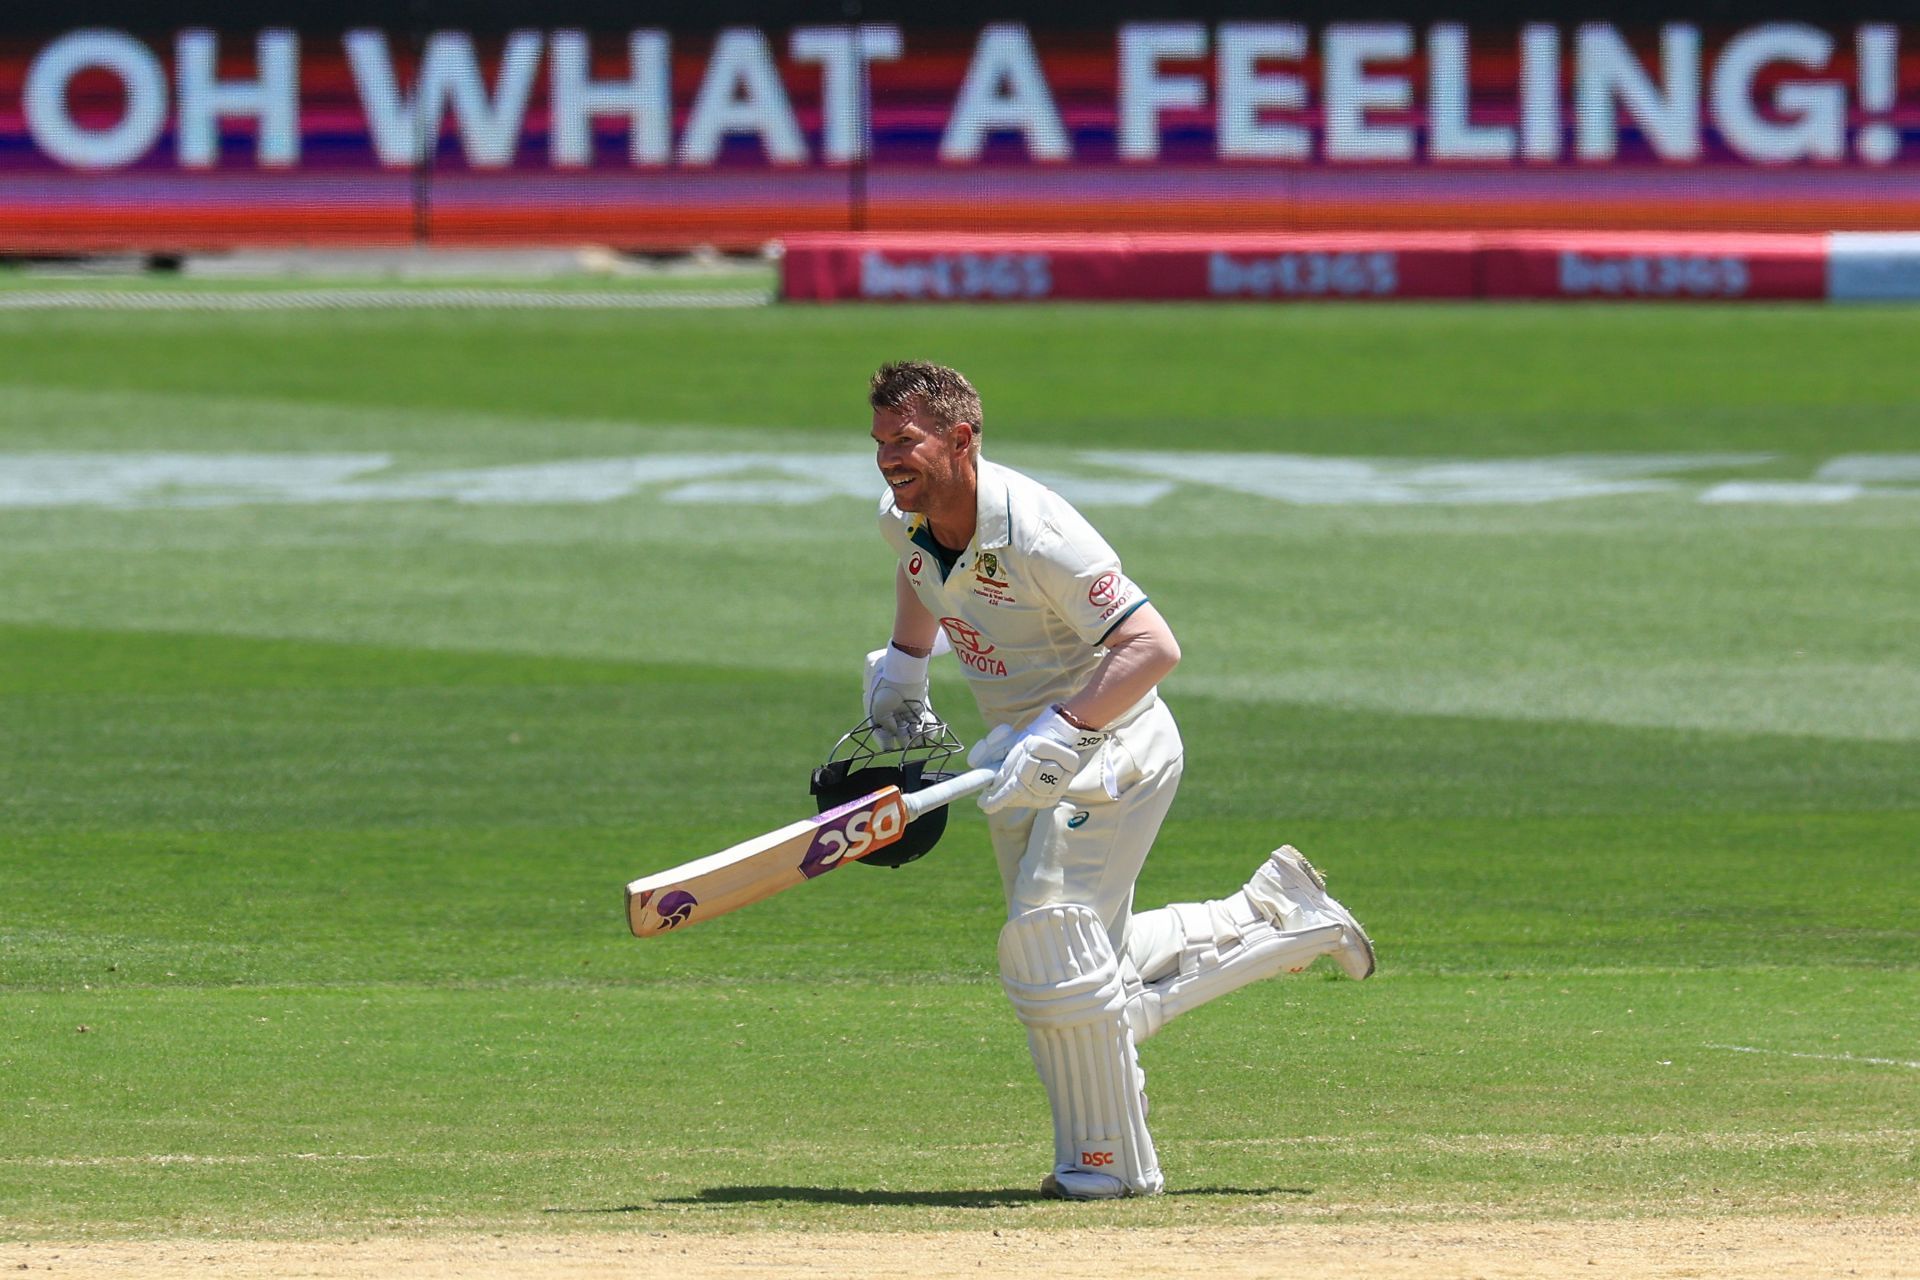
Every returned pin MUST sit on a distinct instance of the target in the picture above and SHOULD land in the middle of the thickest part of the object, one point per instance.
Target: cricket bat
(779, 860)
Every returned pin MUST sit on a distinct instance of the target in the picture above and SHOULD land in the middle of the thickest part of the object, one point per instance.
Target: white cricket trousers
(1089, 847)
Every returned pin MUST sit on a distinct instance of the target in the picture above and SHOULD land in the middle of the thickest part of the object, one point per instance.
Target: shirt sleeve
(1081, 577)
(893, 524)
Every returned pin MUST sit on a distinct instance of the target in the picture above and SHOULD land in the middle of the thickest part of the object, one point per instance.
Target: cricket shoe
(1291, 893)
(1080, 1184)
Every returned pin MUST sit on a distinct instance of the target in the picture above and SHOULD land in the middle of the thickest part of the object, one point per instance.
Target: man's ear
(963, 435)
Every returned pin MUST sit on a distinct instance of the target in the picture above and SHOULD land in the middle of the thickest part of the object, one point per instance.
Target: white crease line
(1823, 1057)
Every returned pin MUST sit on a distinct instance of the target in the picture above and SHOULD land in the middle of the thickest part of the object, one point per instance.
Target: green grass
(313, 818)
(1331, 379)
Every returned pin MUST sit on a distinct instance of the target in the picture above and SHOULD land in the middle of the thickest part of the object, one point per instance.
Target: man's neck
(953, 522)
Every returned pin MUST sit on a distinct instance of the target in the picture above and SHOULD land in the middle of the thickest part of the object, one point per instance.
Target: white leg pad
(1060, 971)
(1228, 943)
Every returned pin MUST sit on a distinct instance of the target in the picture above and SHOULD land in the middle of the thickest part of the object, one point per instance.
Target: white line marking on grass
(1311, 480)
(127, 480)
(377, 300)
(1781, 493)
(1822, 1057)
(1871, 468)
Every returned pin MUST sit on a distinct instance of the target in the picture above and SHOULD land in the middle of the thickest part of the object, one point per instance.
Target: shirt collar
(993, 522)
(993, 510)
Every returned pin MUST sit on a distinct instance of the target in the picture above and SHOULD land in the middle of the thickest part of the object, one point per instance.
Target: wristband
(1060, 709)
(900, 667)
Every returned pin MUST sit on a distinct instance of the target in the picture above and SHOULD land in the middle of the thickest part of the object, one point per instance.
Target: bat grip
(919, 802)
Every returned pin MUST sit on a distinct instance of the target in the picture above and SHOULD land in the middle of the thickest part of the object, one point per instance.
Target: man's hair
(944, 394)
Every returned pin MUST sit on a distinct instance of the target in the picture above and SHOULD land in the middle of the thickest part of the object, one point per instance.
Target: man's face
(917, 464)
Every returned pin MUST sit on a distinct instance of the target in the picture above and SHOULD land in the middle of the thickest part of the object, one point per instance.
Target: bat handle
(919, 802)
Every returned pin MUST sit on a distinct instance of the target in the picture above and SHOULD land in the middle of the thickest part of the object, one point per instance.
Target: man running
(1064, 654)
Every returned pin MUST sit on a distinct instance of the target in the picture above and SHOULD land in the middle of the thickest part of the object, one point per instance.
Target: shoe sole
(1050, 1189)
(1347, 919)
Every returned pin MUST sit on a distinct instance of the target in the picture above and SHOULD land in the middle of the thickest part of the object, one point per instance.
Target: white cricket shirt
(1028, 602)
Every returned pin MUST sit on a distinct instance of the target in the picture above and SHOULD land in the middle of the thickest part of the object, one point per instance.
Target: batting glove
(1040, 764)
(897, 700)
(992, 749)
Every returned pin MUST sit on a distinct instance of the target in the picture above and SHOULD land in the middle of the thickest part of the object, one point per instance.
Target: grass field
(344, 681)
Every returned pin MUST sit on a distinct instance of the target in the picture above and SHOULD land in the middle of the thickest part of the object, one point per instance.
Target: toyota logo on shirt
(971, 648)
(1104, 591)
(965, 638)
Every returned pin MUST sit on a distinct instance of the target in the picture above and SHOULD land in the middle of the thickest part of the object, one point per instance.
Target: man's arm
(1140, 653)
(913, 627)
(896, 679)
(1037, 764)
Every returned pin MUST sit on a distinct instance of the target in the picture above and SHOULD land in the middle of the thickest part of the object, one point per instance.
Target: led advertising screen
(662, 136)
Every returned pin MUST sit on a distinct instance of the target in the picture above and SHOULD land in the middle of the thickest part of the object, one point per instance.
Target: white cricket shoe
(1290, 892)
(1080, 1184)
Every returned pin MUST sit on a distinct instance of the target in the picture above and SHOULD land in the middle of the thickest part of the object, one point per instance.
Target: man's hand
(1038, 766)
(897, 701)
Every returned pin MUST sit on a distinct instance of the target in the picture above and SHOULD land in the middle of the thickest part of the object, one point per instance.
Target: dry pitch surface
(1778, 1248)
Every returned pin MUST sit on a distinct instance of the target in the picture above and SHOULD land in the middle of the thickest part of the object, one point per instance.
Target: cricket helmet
(859, 766)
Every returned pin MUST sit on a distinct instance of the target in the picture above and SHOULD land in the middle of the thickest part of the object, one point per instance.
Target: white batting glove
(897, 701)
(1040, 764)
(992, 749)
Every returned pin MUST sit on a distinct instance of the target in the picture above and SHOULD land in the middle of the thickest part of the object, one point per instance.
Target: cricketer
(1064, 654)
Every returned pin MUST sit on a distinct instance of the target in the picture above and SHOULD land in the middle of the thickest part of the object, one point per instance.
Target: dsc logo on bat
(857, 835)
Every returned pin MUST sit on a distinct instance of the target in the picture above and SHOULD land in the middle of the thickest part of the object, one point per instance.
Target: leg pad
(1059, 970)
(1226, 944)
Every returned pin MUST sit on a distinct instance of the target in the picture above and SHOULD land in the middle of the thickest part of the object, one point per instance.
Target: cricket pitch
(1785, 1247)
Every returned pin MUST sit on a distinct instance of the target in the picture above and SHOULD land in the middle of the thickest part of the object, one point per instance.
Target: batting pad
(1059, 969)
(1227, 943)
